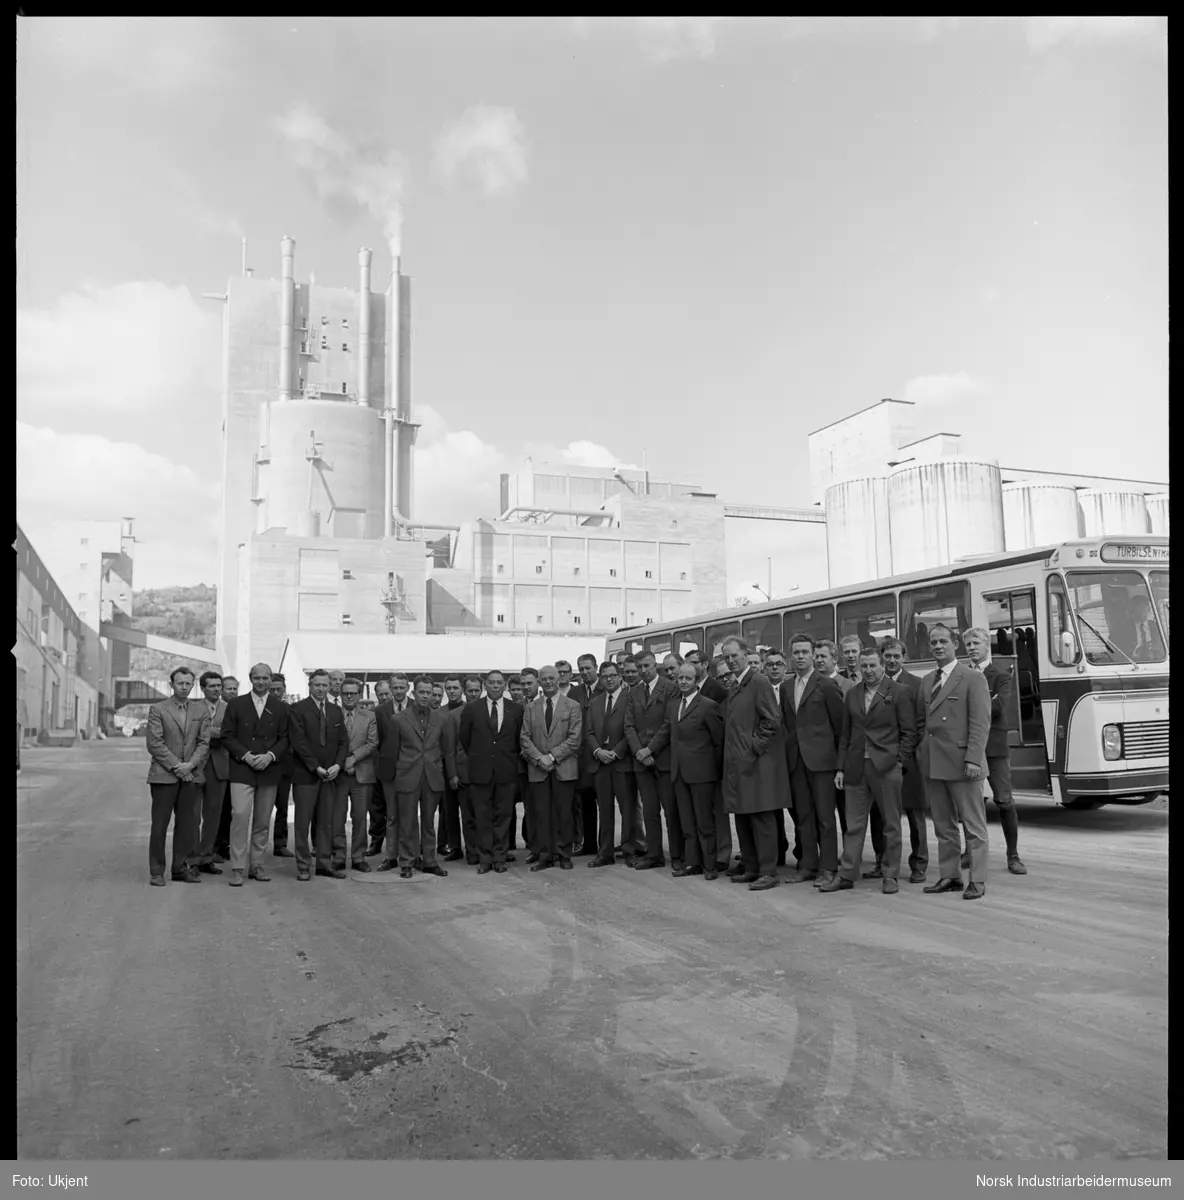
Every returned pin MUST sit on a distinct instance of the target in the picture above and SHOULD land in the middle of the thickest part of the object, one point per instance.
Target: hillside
(184, 613)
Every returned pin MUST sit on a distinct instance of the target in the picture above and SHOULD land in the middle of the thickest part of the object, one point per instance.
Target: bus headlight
(1111, 742)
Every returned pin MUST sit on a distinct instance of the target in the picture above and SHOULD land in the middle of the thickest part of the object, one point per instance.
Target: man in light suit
(255, 734)
(319, 751)
(216, 789)
(610, 765)
(551, 733)
(356, 780)
(456, 771)
(178, 742)
(955, 710)
(646, 711)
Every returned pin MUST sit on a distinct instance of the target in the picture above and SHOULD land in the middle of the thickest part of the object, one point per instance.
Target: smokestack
(392, 395)
(246, 270)
(364, 259)
(287, 315)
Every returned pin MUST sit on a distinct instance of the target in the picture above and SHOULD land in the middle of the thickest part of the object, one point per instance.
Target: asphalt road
(581, 1014)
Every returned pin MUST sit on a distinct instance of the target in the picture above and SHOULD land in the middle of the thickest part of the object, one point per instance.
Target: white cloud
(64, 477)
(456, 473)
(590, 454)
(486, 145)
(928, 391)
(1045, 32)
(133, 345)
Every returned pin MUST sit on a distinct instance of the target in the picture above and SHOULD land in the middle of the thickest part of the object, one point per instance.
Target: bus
(1082, 626)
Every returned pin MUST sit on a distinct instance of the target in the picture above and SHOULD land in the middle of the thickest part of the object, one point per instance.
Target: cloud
(1042, 33)
(65, 477)
(663, 39)
(132, 345)
(487, 145)
(192, 207)
(929, 391)
(360, 175)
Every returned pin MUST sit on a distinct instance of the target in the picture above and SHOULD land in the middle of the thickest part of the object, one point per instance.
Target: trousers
(881, 790)
(250, 819)
(169, 800)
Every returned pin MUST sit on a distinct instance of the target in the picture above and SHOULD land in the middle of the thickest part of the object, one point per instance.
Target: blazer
(812, 732)
(244, 732)
(696, 742)
(218, 764)
(600, 734)
(754, 774)
(307, 752)
(845, 684)
(492, 757)
(885, 733)
(411, 752)
(643, 719)
(1002, 689)
(563, 741)
(913, 788)
(456, 761)
(953, 724)
(170, 745)
(362, 743)
(713, 690)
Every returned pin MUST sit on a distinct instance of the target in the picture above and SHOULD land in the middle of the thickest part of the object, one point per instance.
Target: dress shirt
(260, 702)
(649, 687)
(799, 687)
(495, 713)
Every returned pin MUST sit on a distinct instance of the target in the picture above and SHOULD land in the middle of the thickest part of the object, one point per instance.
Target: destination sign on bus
(1133, 552)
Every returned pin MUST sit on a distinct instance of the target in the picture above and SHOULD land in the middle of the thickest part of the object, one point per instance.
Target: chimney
(287, 315)
(246, 269)
(392, 397)
(364, 259)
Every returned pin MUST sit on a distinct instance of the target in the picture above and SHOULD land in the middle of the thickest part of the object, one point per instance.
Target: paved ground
(583, 1014)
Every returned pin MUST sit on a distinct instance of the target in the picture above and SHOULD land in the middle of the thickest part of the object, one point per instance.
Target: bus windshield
(1159, 593)
(1115, 617)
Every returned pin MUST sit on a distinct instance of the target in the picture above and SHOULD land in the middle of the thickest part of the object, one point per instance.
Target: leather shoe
(944, 885)
(220, 858)
(565, 864)
(435, 869)
(454, 856)
(236, 878)
(189, 876)
(974, 891)
(543, 864)
(584, 852)
(302, 876)
(532, 858)
(763, 883)
(836, 885)
(825, 877)
(209, 869)
(282, 852)
(683, 871)
(875, 873)
(389, 865)
(375, 850)
(158, 881)
(710, 875)
(917, 877)
(472, 860)
(889, 886)
(800, 876)
(330, 872)
(601, 862)
(1015, 866)
(404, 872)
(732, 872)
(484, 868)
(500, 868)
(261, 876)
(743, 878)
(363, 866)
(649, 864)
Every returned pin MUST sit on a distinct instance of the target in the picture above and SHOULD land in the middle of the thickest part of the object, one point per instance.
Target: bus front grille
(1145, 739)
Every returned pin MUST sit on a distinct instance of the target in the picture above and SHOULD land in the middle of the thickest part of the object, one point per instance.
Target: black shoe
(543, 864)
(683, 871)
(404, 872)
(375, 850)
(500, 868)
(974, 891)
(1015, 866)
(484, 868)
(389, 865)
(454, 856)
(837, 885)
(649, 864)
(418, 864)
(472, 860)
(362, 865)
(186, 876)
(601, 862)
(800, 876)
(763, 883)
(944, 885)
(330, 873)
(282, 852)
(877, 872)
(532, 858)
(732, 872)
(209, 869)
(565, 864)
(916, 877)
(744, 877)
(710, 875)
(825, 877)
(435, 869)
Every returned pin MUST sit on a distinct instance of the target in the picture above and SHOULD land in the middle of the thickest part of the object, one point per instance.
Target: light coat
(953, 724)
(755, 777)
(170, 745)
(563, 742)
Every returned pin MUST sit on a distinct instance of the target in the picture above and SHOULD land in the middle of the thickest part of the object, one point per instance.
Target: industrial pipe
(364, 259)
(392, 399)
(287, 315)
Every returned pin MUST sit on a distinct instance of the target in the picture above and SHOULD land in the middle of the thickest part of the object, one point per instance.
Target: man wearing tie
(356, 779)
(319, 751)
(851, 646)
(529, 679)
(222, 837)
(916, 808)
(283, 794)
(490, 734)
(551, 732)
(585, 805)
(456, 771)
(644, 715)
(611, 768)
(216, 787)
(711, 688)
(956, 712)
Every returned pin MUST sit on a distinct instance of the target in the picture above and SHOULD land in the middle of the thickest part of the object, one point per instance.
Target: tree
(741, 602)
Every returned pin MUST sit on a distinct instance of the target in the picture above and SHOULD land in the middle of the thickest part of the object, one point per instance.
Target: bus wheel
(1083, 803)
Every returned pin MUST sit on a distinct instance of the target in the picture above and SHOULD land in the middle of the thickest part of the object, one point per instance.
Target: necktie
(682, 712)
(549, 713)
(608, 704)
(493, 715)
(349, 723)
(184, 717)
(321, 710)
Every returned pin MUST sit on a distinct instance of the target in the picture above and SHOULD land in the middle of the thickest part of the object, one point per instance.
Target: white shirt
(941, 675)
(983, 665)
(495, 711)
(685, 703)
(799, 687)
(260, 702)
(564, 688)
(742, 676)
(653, 683)
(610, 701)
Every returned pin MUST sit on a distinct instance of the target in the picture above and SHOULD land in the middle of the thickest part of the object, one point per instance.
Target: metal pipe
(364, 259)
(287, 315)
(405, 430)
(392, 397)
(245, 268)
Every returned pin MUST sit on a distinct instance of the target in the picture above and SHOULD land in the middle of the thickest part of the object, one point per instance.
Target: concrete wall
(859, 445)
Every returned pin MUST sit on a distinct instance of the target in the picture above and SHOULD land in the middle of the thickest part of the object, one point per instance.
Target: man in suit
(851, 646)
(825, 663)
(448, 832)
(178, 742)
(255, 734)
(754, 772)
(812, 709)
(490, 734)
(707, 685)
(456, 772)
(336, 680)
(529, 678)
(585, 808)
(955, 713)
(319, 751)
(412, 757)
(879, 733)
(694, 731)
(611, 768)
(776, 669)
(216, 788)
(630, 672)
(916, 808)
(283, 794)
(575, 691)
(354, 784)
(222, 837)
(978, 646)
(551, 734)
(712, 689)
(644, 715)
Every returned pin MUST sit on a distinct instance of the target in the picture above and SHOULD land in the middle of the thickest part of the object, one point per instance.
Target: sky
(693, 238)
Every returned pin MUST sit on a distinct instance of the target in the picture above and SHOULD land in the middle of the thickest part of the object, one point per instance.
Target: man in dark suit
(916, 807)
(529, 681)
(644, 715)
(448, 832)
(283, 794)
(776, 669)
(585, 807)
(812, 709)
(411, 756)
(456, 772)
(552, 730)
(978, 646)
(255, 732)
(611, 767)
(712, 689)
(955, 711)
(222, 837)
(319, 750)
(384, 806)
(879, 733)
(850, 646)
(216, 788)
(754, 771)
(490, 734)
(694, 731)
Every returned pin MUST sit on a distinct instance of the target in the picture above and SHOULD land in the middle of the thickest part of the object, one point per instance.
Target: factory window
(324, 320)
(345, 346)
(84, 541)
(501, 568)
(343, 389)
(501, 618)
(324, 343)
(649, 574)
(538, 570)
(346, 573)
(575, 570)
(612, 620)
(576, 620)
(304, 346)
(344, 322)
(538, 620)
(612, 571)
(346, 619)
(682, 575)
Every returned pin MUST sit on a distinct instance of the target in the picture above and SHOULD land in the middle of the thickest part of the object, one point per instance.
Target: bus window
(939, 604)
(763, 632)
(818, 622)
(1012, 624)
(1159, 592)
(871, 618)
(686, 640)
(659, 645)
(1114, 616)
(1059, 621)
(717, 633)
(634, 645)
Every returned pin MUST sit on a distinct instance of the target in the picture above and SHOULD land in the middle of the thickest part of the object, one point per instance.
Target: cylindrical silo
(1112, 513)
(1039, 514)
(364, 260)
(858, 545)
(327, 458)
(939, 512)
(1157, 513)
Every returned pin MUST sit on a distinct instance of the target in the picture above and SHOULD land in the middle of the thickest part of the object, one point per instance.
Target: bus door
(1011, 618)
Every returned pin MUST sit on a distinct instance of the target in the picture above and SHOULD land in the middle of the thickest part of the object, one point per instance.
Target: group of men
(436, 771)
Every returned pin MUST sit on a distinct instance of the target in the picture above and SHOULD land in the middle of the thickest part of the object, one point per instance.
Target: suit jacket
(812, 732)
(218, 764)
(411, 751)
(953, 724)
(886, 732)
(362, 743)
(714, 690)
(913, 789)
(755, 778)
(845, 683)
(456, 761)
(1002, 690)
(644, 715)
(244, 732)
(492, 757)
(170, 745)
(608, 735)
(563, 741)
(307, 752)
(696, 742)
